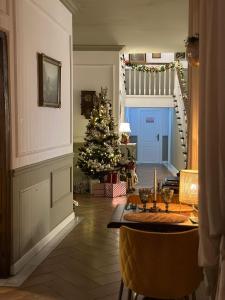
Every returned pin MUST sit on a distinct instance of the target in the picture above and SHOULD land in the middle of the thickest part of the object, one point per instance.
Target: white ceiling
(140, 25)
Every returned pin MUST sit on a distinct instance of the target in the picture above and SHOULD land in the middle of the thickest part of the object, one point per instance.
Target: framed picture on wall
(137, 58)
(49, 81)
(156, 55)
(88, 99)
(179, 56)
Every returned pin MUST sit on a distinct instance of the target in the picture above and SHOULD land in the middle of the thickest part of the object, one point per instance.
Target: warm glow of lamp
(188, 190)
(125, 127)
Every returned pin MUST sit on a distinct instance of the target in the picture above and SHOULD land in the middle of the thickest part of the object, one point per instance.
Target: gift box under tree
(112, 177)
(115, 189)
(98, 189)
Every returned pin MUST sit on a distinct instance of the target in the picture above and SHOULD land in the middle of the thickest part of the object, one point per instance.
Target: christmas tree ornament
(100, 153)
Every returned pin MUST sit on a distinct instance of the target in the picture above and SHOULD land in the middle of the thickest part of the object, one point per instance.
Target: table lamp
(188, 190)
(124, 129)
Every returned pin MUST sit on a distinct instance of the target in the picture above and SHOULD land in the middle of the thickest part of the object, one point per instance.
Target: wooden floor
(85, 265)
(145, 174)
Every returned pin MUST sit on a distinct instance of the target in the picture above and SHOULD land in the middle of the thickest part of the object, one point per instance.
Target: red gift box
(115, 189)
(112, 178)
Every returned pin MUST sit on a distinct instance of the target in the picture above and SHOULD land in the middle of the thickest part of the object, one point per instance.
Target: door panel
(149, 144)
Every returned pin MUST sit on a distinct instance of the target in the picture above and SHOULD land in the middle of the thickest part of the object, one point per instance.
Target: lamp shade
(124, 127)
(188, 190)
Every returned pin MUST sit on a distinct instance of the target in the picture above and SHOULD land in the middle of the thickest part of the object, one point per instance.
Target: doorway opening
(151, 129)
(5, 211)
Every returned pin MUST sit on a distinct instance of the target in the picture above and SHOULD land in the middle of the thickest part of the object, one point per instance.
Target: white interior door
(150, 137)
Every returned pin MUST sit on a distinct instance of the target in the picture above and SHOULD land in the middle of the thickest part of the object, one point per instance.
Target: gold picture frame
(49, 81)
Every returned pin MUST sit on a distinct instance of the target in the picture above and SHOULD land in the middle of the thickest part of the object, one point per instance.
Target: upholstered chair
(159, 265)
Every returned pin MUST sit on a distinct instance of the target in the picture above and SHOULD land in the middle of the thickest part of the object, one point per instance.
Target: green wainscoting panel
(61, 185)
(80, 180)
(42, 198)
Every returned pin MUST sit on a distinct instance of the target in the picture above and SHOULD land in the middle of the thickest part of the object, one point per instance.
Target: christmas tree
(100, 153)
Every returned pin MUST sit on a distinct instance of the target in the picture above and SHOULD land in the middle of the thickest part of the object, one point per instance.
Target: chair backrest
(160, 265)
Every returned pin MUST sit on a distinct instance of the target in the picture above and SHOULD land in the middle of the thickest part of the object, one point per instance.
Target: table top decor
(145, 194)
(118, 218)
(154, 207)
(156, 217)
(167, 196)
(174, 207)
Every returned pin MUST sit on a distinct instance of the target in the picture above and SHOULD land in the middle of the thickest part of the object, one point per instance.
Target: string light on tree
(100, 153)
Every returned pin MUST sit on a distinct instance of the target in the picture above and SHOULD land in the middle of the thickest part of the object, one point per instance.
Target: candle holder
(154, 208)
(153, 195)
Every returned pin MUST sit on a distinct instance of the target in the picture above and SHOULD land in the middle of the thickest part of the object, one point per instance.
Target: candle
(155, 185)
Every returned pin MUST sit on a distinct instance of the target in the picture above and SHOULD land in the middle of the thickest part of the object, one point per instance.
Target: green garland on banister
(183, 83)
(152, 69)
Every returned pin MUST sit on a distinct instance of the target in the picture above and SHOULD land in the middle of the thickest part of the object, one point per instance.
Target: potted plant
(192, 50)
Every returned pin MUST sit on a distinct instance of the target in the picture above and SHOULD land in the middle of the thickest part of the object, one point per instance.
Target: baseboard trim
(28, 263)
(15, 268)
(171, 168)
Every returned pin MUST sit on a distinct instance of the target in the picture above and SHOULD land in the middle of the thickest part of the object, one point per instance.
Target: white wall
(93, 70)
(166, 57)
(176, 154)
(40, 133)
(148, 101)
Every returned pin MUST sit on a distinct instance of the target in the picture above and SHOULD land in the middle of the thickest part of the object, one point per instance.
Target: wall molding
(66, 193)
(97, 47)
(71, 5)
(19, 155)
(55, 20)
(42, 150)
(35, 166)
(15, 268)
(4, 7)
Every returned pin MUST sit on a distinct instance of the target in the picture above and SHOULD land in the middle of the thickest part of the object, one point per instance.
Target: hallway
(85, 266)
(145, 174)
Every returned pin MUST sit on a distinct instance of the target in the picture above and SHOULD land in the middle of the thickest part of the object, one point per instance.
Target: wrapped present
(92, 182)
(115, 177)
(98, 189)
(112, 177)
(109, 178)
(115, 189)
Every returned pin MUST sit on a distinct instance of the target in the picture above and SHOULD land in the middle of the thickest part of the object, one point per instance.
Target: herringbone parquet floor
(85, 265)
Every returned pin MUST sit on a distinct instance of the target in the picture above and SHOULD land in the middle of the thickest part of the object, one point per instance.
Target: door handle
(157, 137)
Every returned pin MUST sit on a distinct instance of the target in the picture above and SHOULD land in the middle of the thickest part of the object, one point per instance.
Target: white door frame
(143, 109)
(169, 131)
